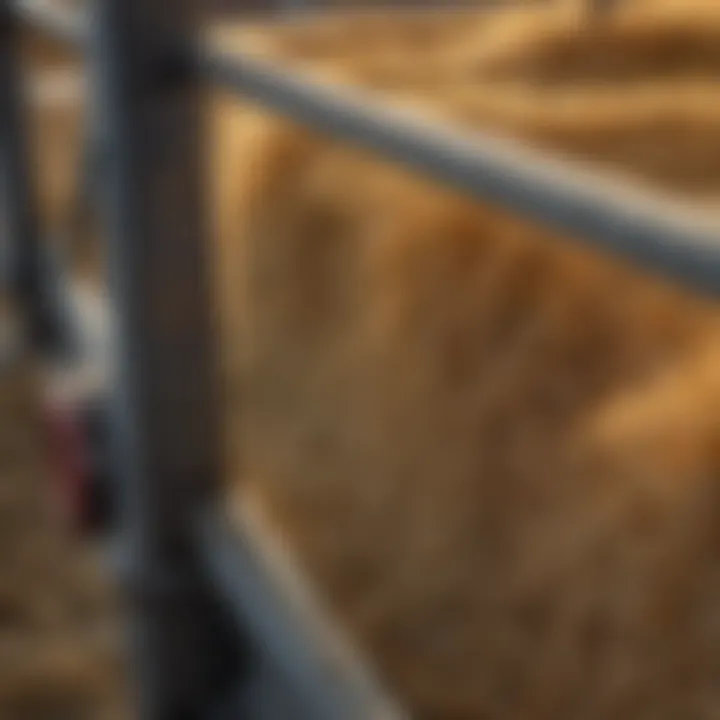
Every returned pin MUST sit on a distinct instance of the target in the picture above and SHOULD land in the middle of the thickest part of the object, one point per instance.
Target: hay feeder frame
(215, 633)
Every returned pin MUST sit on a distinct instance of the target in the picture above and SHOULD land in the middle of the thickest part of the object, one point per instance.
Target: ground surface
(59, 654)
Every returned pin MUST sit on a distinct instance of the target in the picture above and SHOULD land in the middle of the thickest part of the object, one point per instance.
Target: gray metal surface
(657, 233)
(283, 671)
(303, 659)
(165, 428)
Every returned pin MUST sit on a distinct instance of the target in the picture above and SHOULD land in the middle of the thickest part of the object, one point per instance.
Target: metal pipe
(311, 660)
(655, 232)
(164, 403)
(168, 472)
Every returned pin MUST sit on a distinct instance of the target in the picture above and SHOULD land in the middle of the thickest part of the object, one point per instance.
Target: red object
(70, 463)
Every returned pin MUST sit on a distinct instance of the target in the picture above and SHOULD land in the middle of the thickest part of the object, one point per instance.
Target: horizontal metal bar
(656, 232)
(300, 645)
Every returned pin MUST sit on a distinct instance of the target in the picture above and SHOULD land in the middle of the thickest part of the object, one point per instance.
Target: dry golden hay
(473, 431)
(59, 656)
(432, 389)
(412, 409)
(640, 41)
(645, 97)
(55, 131)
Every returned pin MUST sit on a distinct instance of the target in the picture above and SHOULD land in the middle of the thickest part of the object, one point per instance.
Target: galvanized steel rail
(657, 233)
(193, 587)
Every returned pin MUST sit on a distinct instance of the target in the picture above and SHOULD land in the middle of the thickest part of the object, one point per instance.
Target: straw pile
(59, 649)
(495, 452)
(60, 654)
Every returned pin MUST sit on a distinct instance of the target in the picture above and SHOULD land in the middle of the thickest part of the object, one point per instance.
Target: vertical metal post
(165, 422)
(19, 231)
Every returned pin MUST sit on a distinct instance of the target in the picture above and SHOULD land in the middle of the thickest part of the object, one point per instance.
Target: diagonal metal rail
(657, 233)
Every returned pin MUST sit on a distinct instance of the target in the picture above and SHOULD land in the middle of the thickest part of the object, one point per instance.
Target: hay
(59, 623)
(493, 451)
(431, 389)
(59, 655)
